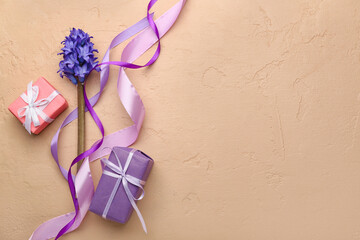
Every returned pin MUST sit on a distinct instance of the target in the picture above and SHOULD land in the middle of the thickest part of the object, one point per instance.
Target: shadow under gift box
(120, 209)
(52, 110)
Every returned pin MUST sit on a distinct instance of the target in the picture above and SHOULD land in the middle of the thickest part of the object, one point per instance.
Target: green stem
(81, 122)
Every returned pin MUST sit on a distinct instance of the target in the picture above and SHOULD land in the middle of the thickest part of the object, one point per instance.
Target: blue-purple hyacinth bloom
(78, 56)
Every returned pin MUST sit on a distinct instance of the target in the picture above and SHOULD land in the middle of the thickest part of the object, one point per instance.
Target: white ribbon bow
(120, 173)
(34, 108)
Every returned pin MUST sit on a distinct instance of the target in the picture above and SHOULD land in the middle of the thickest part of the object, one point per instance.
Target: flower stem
(81, 122)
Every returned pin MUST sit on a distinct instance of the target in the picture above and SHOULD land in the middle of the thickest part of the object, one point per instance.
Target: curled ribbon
(120, 173)
(34, 108)
(132, 102)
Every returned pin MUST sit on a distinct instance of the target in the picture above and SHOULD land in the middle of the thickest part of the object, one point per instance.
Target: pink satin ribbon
(125, 137)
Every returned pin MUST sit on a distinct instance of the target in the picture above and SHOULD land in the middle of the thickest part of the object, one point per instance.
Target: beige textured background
(252, 118)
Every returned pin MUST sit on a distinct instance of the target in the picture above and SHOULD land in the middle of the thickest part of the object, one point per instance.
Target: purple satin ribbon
(97, 145)
(83, 155)
(82, 190)
(104, 76)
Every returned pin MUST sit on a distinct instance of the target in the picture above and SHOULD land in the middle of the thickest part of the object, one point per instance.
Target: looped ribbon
(34, 109)
(82, 187)
(120, 173)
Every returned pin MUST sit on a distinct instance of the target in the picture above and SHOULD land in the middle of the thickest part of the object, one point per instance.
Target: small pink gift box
(38, 106)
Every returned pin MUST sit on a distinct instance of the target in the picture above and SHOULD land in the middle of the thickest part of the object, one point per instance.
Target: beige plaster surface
(252, 118)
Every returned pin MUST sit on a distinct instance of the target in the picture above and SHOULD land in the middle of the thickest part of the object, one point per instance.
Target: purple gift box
(121, 184)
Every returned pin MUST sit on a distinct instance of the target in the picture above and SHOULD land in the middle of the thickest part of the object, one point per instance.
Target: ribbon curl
(125, 137)
(96, 119)
(34, 109)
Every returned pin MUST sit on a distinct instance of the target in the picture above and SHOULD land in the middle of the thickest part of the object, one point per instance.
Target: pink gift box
(48, 104)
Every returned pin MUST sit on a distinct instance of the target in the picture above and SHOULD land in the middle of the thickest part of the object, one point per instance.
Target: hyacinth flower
(78, 61)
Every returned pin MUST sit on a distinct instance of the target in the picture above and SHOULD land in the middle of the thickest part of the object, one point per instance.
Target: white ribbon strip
(120, 173)
(34, 108)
